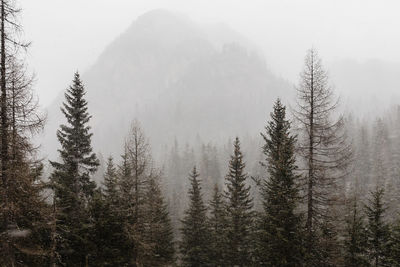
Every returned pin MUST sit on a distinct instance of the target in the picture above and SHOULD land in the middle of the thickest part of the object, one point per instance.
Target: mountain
(180, 79)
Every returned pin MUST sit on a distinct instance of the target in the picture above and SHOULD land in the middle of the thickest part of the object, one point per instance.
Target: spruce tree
(240, 216)
(395, 240)
(71, 178)
(281, 225)
(378, 232)
(355, 242)
(110, 183)
(108, 233)
(158, 233)
(125, 208)
(195, 242)
(218, 229)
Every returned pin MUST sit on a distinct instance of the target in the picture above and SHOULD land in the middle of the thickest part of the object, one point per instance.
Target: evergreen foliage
(195, 243)
(108, 233)
(71, 178)
(158, 234)
(218, 229)
(281, 230)
(378, 231)
(355, 243)
(240, 217)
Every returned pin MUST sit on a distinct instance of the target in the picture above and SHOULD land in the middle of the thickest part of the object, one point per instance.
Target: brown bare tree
(20, 197)
(325, 153)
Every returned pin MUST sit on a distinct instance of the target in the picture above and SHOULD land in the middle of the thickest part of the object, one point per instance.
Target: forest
(316, 186)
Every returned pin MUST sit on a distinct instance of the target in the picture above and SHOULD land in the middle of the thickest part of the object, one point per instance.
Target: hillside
(180, 80)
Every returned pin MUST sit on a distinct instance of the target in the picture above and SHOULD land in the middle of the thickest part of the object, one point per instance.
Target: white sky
(68, 35)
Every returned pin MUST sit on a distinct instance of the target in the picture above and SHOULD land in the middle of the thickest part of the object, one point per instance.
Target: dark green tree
(378, 232)
(71, 178)
(108, 233)
(158, 233)
(395, 249)
(240, 217)
(126, 207)
(110, 183)
(218, 228)
(355, 242)
(195, 232)
(280, 235)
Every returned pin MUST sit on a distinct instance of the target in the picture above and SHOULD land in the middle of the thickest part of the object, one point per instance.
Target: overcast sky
(68, 35)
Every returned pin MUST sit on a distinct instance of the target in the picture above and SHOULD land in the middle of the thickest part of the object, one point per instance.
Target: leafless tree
(19, 117)
(323, 146)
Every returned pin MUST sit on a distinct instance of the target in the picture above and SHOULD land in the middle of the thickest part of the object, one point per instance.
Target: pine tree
(324, 149)
(355, 243)
(111, 181)
(218, 223)
(239, 211)
(126, 208)
(281, 226)
(195, 242)
(395, 241)
(378, 232)
(108, 233)
(71, 178)
(158, 234)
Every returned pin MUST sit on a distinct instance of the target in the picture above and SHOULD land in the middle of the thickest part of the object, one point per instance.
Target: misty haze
(199, 133)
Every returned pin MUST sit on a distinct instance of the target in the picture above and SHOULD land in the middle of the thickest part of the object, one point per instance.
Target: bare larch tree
(323, 148)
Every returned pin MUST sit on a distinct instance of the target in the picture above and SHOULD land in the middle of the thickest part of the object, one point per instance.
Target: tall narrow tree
(158, 234)
(108, 234)
(324, 151)
(126, 207)
(218, 229)
(239, 211)
(136, 170)
(395, 240)
(355, 242)
(71, 178)
(194, 245)
(281, 230)
(378, 231)
(21, 203)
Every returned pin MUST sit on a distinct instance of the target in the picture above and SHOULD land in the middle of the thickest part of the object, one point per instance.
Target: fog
(200, 133)
(70, 35)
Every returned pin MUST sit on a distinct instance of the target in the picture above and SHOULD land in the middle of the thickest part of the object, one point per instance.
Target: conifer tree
(137, 168)
(158, 234)
(71, 178)
(355, 243)
(280, 237)
(126, 207)
(111, 181)
(218, 224)
(22, 210)
(240, 217)
(108, 233)
(395, 241)
(378, 232)
(325, 153)
(195, 243)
